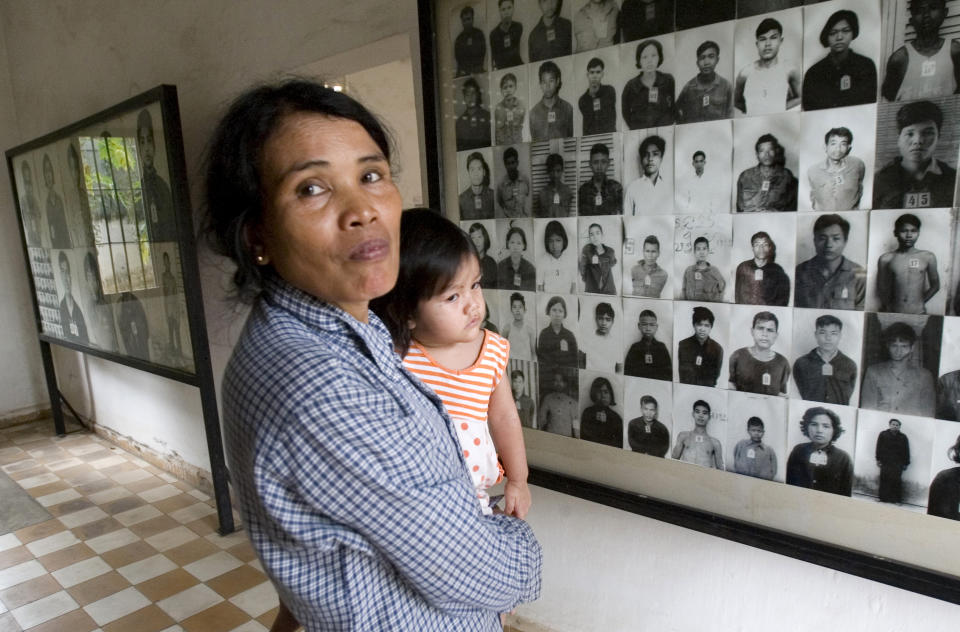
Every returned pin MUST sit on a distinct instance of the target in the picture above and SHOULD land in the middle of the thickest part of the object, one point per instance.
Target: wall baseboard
(22, 416)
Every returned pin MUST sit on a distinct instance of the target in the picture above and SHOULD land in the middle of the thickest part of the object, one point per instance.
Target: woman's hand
(516, 499)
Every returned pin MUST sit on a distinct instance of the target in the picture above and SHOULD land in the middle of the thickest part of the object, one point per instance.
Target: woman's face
(477, 237)
(604, 396)
(649, 59)
(475, 172)
(820, 431)
(555, 245)
(331, 220)
(840, 36)
(557, 313)
(515, 244)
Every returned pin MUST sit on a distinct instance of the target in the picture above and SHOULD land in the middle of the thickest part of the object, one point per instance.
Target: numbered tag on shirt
(758, 275)
(914, 263)
(596, 105)
(654, 94)
(551, 35)
(595, 260)
(845, 293)
(650, 12)
(928, 68)
(648, 358)
(515, 191)
(551, 117)
(477, 202)
(838, 179)
(698, 439)
(706, 100)
(818, 458)
(647, 280)
(765, 186)
(598, 200)
(845, 82)
(73, 329)
(826, 369)
(601, 416)
(556, 198)
(765, 379)
(509, 116)
(600, 28)
(699, 361)
(646, 429)
(506, 41)
(469, 41)
(564, 346)
(920, 199)
(751, 453)
(698, 276)
(516, 280)
(473, 121)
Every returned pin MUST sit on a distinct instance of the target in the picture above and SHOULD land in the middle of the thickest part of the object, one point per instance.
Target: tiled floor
(129, 548)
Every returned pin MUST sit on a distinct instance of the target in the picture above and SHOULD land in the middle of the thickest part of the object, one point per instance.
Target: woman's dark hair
(820, 410)
(90, 265)
(483, 231)
(553, 301)
(234, 197)
(656, 45)
(843, 15)
(431, 251)
(953, 452)
(486, 168)
(516, 230)
(554, 228)
(595, 387)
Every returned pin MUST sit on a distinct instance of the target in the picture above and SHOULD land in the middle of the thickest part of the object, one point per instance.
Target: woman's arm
(507, 436)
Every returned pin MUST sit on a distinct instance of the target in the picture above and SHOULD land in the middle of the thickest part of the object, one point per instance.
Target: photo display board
(721, 238)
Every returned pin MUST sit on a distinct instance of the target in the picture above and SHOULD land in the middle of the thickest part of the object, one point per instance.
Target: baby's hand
(516, 499)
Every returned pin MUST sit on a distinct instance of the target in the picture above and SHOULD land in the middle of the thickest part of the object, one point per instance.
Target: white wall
(605, 569)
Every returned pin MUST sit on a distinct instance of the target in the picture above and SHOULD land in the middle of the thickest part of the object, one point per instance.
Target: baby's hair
(768, 24)
(827, 320)
(844, 15)
(702, 313)
(603, 309)
(554, 228)
(517, 296)
(832, 219)
(508, 77)
(649, 399)
(755, 422)
(702, 403)
(595, 387)
(763, 317)
(820, 410)
(432, 249)
(906, 218)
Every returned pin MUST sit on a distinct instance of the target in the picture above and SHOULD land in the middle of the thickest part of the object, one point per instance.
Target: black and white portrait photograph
(507, 34)
(648, 96)
(553, 172)
(513, 193)
(916, 153)
(826, 355)
(599, 168)
(472, 108)
(511, 90)
(601, 327)
(132, 324)
(483, 234)
(953, 289)
(599, 240)
(948, 382)
(694, 13)
(760, 345)
(491, 317)
(552, 93)
(644, 18)
(648, 256)
(515, 268)
(943, 499)
(72, 318)
(768, 58)
(822, 443)
(701, 257)
(699, 425)
(558, 410)
(598, 100)
(101, 322)
(551, 34)
(648, 411)
(175, 348)
(764, 254)
(700, 332)
(831, 260)
(894, 455)
(556, 255)
(601, 408)
(705, 73)
(557, 323)
(648, 338)
(523, 387)
(921, 59)
(756, 440)
(157, 199)
(475, 177)
(901, 356)
(648, 172)
(766, 163)
(27, 193)
(594, 24)
(908, 263)
(76, 201)
(702, 158)
(57, 227)
(841, 40)
(468, 24)
(836, 159)
(518, 323)
(747, 8)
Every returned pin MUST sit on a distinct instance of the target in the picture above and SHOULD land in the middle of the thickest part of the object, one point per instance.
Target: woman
(647, 99)
(476, 201)
(818, 464)
(760, 280)
(515, 272)
(555, 272)
(599, 422)
(321, 422)
(945, 489)
(843, 77)
(556, 344)
(488, 266)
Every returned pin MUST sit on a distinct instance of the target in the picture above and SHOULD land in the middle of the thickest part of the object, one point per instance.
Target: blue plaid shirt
(351, 482)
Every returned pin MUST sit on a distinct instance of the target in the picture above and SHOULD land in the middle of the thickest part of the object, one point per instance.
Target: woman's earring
(260, 259)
